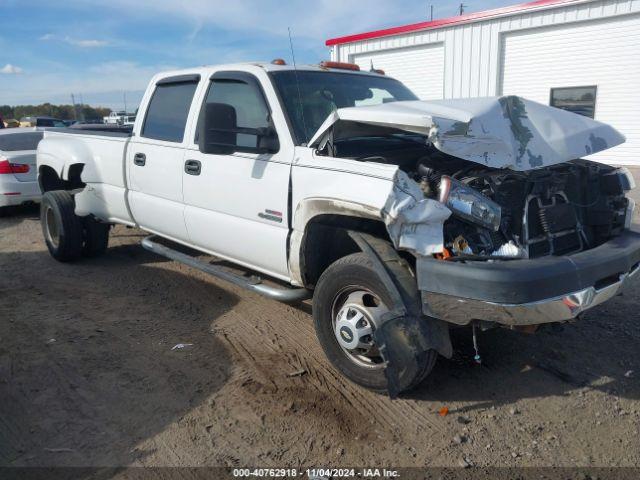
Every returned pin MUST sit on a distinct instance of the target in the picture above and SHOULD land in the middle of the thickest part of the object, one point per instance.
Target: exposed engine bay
(502, 213)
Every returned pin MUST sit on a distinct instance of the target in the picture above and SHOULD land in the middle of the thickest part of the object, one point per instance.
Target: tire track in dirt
(294, 339)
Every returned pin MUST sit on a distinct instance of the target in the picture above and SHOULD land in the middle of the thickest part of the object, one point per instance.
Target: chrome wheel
(53, 236)
(356, 312)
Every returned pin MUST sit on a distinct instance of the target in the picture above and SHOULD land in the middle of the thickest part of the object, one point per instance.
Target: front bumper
(529, 292)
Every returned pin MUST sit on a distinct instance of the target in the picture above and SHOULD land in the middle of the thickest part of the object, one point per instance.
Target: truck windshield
(320, 93)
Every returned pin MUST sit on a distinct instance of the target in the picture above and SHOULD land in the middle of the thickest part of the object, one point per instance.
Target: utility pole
(75, 109)
(431, 13)
(124, 94)
(462, 7)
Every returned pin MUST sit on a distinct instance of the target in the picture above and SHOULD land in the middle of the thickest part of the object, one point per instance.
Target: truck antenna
(295, 69)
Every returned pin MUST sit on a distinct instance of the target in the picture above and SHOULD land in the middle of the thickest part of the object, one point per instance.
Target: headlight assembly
(626, 179)
(468, 204)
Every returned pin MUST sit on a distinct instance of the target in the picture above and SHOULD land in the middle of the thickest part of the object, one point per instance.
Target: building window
(580, 100)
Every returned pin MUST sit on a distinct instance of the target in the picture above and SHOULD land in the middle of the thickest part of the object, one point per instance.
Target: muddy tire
(348, 288)
(96, 237)
(61, 227)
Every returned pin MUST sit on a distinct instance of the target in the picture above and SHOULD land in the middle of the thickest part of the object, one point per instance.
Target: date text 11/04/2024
(315, 473)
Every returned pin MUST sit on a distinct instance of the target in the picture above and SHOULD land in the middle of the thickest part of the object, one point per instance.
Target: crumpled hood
(500, 132)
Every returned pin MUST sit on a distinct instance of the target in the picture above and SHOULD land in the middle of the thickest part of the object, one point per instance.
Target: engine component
(461, 246)
(558, 218)
(510, 250)
(551, 226)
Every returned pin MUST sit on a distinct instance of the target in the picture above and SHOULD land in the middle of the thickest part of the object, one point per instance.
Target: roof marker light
(340, 65)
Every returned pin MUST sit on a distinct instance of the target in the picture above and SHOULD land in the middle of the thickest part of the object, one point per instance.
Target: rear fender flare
(60, 153)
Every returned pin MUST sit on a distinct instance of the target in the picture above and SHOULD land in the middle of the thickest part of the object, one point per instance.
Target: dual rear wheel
(68, 236)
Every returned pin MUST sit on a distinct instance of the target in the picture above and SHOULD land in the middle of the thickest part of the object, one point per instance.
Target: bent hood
(500, 132)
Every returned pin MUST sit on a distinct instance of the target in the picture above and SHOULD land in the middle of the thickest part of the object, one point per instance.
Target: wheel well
(49, 180)
(326, 239)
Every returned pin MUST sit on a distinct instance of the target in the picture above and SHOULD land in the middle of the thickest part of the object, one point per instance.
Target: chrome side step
(286, 295)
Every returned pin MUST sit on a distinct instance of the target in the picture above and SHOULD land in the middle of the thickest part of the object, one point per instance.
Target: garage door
(602, 53)
(419, 68)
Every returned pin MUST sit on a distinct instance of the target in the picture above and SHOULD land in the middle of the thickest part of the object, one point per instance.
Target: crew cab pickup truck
(399, 217)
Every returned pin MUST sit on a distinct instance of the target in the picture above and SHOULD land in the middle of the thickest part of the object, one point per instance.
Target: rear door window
(168, 111)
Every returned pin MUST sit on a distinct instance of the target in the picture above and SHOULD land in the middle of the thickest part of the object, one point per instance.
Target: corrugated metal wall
(426, 79)
(473, 53)
(604, 53)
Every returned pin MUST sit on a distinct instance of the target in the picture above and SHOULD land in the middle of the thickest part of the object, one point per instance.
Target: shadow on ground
(595, 352)
(87, 365)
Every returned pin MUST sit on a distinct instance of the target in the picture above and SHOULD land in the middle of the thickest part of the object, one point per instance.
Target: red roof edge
(496, 12)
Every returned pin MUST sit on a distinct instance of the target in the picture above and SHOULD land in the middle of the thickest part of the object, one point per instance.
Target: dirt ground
(89, 377)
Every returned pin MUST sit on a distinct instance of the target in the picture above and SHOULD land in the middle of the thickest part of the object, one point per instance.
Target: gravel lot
(89, 377)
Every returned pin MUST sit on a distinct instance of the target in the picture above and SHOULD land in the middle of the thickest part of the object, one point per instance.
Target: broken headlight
(627, 183)
(468, 204)
(626, 179)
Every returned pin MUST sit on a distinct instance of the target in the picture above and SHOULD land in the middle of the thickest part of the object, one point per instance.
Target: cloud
(76, 42)
(9, 69)
(86, 43)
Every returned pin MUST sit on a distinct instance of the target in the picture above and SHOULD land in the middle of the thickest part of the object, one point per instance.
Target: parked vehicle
(120, 118)
(113, 118)
(11, 123)
(399, 217)
(18, 173)
(41, 122)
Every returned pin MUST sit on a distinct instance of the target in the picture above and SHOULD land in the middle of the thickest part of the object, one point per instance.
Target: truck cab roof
(265, 66)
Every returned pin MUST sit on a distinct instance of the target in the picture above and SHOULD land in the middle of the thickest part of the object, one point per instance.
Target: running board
(286, 295)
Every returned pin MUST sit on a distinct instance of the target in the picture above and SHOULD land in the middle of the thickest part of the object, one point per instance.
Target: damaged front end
(557, 210)
(506, 223)
(504, 220)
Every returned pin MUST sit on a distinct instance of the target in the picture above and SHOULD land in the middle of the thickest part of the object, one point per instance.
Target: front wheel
(348, 304)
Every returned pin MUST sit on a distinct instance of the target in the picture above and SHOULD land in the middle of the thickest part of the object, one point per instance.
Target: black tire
(96, 237)
(357, 269)
(61, 227)
(5, 211)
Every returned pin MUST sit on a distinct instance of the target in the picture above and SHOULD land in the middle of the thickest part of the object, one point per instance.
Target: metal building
(581, 55)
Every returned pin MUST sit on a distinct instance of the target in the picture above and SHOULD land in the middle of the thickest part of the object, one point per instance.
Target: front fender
(307, 210)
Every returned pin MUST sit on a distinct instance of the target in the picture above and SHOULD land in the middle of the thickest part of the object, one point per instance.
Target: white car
(18, 173)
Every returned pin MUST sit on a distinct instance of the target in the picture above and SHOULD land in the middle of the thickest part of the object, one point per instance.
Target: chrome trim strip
(462, 311)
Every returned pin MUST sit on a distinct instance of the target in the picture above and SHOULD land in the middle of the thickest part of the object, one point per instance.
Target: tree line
(63, 112)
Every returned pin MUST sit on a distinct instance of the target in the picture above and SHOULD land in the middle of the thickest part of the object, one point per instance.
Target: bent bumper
(529, 292)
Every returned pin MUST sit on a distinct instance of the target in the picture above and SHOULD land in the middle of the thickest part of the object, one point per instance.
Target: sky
(104, 51)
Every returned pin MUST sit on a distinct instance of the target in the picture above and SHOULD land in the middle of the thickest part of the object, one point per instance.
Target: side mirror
(218, 133)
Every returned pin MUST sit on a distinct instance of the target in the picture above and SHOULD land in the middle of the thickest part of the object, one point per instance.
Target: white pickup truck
(399, 217)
